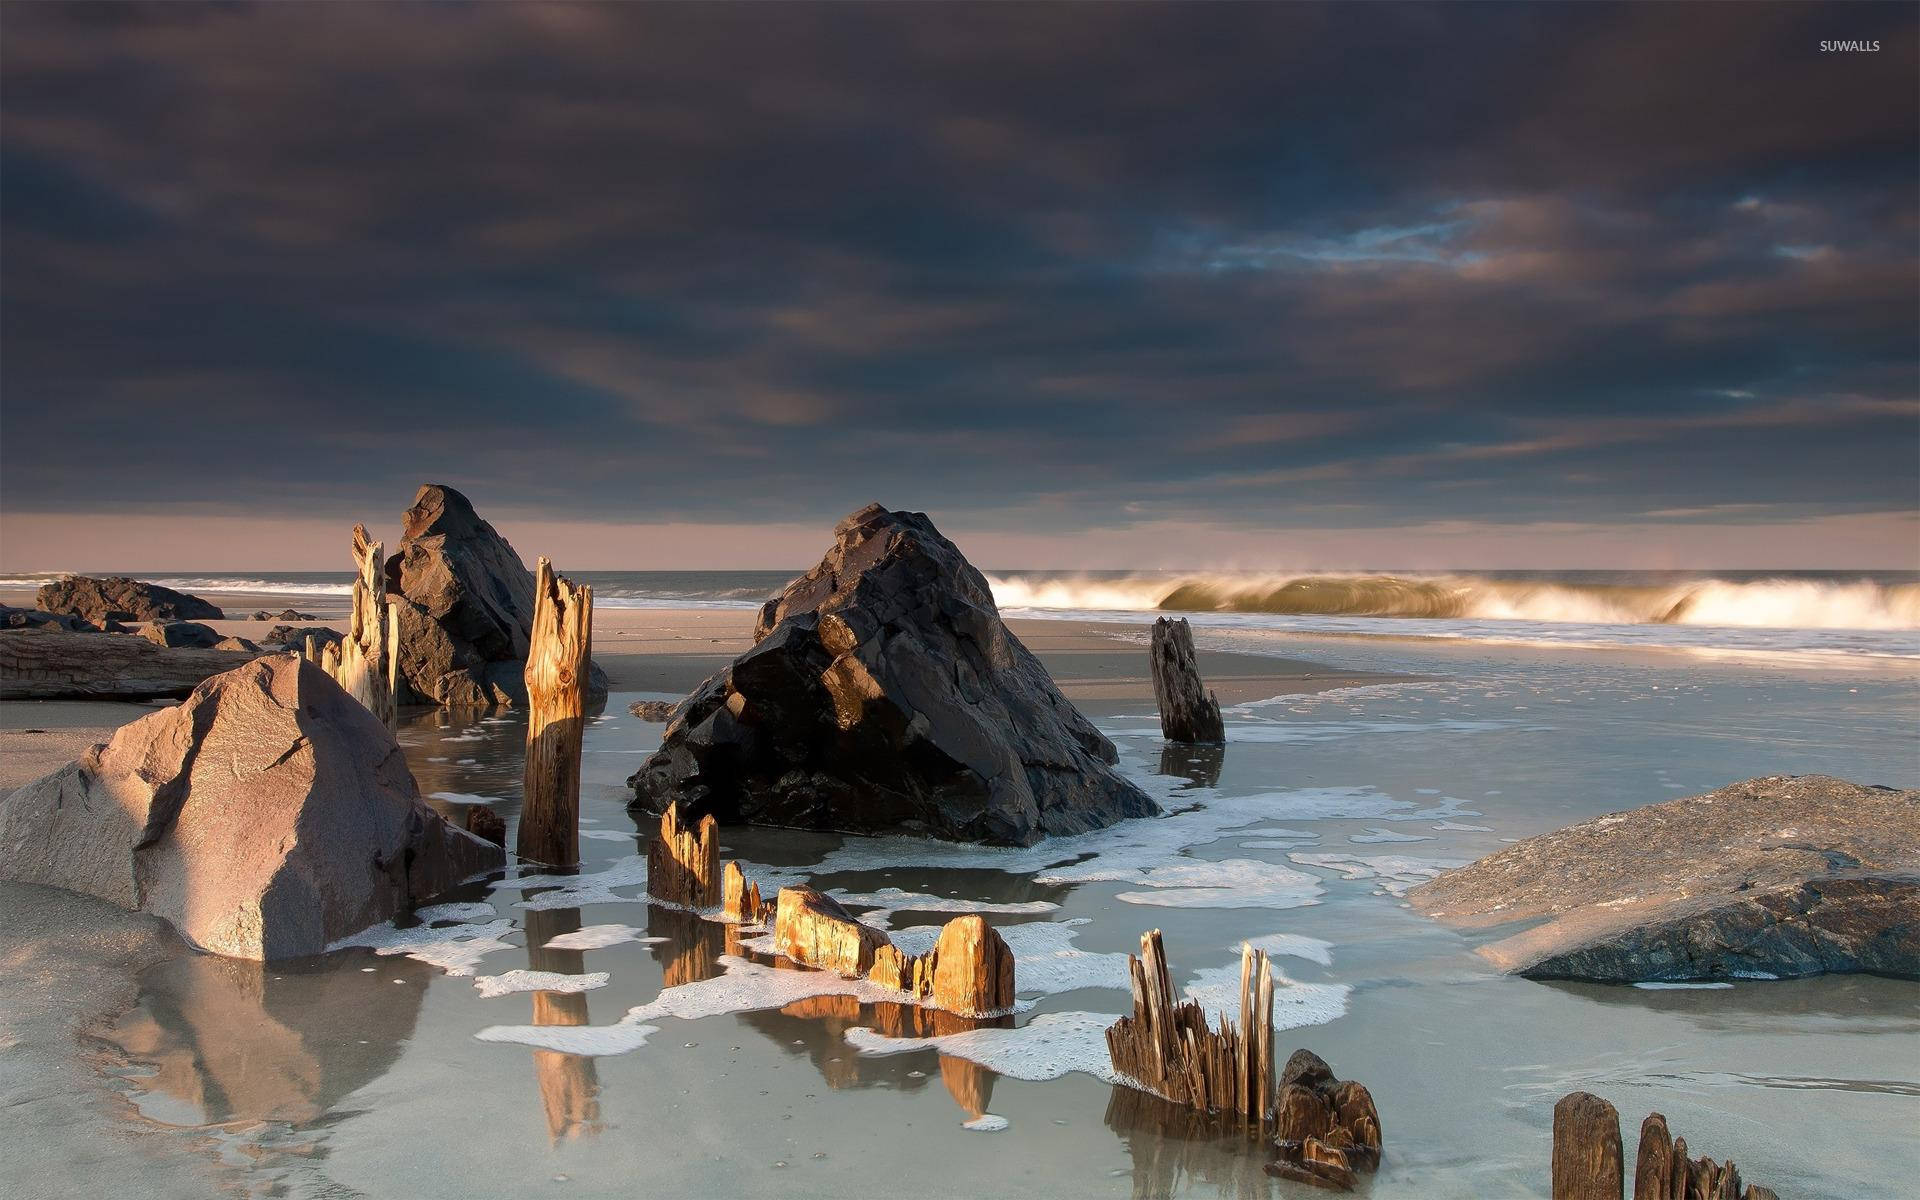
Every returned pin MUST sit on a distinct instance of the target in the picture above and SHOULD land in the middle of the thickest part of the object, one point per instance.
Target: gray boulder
(120, 598)
(885, 694)
(465, 604)
(265, 817)
(294, 637)
(184, 633)
(33, 618)
(1777, 877)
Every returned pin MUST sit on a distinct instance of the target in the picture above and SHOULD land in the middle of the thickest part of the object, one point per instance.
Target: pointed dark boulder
(885, 694)
(465, 608)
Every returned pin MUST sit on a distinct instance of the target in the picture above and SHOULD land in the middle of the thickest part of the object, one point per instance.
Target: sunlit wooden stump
(683, 865)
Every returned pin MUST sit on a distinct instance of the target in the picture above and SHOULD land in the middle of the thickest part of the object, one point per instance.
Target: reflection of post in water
(1169, 1143)
(569, 1083)
(693, 946)
(1199, 765)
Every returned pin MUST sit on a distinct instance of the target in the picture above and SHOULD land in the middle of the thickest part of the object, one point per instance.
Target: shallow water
(362, 1073)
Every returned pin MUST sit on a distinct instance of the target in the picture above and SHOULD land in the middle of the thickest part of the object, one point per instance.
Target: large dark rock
(294, 637)
(1782, 876)
(466, 608)
(884, 694)
(33, 618)
(120, 598)
(267, 816)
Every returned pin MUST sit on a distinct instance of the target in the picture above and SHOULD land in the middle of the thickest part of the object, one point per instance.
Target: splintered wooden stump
(556, 678)
(1168, 1048)
(363, 667)
(1662, 1170)
(683, 865)
(1587, 1159)
(739, 900)
(1326, 1130)
(1188, 711)
(969, 971)
(813, 928)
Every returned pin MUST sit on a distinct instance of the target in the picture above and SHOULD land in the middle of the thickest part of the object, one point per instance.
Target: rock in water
(465, 604)
(884, 693)
(265, 817)
(1783, 876)
(122, 599)
(1188, 711)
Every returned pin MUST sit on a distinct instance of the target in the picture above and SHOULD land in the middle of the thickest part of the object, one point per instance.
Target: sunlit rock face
(885, 694)
(265, 817)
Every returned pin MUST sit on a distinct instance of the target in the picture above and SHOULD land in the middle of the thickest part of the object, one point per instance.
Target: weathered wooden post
(362, 667)
(1588, 1163)
(683, 865)
(557, 655)
(1188, 711)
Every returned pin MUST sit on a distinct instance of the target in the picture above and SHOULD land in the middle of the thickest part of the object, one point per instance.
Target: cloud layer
(1037, 269)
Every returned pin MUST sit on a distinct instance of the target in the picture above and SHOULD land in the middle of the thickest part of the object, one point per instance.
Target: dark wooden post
(557, 656)
(1188, 711)
(1587, 1160)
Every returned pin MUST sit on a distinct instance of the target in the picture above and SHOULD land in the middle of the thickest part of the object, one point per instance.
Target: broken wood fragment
(486, 824)
(363, 664)
(556, 675)
(1169, 1050)
(1326, 1130)
(812, 928)
(739, 899)
(1587, 1159)
(969, 971)
(1188, 711)
(683, 865)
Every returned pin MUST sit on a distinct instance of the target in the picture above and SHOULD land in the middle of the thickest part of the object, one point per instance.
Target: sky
(1099, 285)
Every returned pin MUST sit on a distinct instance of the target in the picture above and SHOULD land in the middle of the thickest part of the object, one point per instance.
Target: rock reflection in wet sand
(230, 1040)
(569, 1083)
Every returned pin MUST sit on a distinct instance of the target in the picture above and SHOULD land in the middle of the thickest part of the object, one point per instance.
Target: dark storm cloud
(1041, 265)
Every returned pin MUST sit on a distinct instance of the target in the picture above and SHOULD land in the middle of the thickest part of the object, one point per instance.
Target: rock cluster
(1783, 876)
(1326, 1130)
(182, 633)
(266, 817)
(883, 693)
(465, 604)
(294, 637)
(122, 599)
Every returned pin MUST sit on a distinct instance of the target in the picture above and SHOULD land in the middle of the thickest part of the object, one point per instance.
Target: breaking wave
(1784, 603)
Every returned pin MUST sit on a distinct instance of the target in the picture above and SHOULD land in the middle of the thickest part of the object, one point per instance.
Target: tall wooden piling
(1587, 1159)
(556, 676)
(1188, 711)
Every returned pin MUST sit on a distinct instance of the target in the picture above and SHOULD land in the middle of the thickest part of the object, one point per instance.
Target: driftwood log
(683, 864)
(1326, 1130)
(1588, 1165)
(1168, 1049)
(556, 676)
(50, 664)
(1188, 711)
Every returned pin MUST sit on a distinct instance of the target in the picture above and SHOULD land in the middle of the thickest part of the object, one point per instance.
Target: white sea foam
(1455, 825)
(886, 901)
(538, 981)
(1230, 883)
(1047, 1047)
(609, 835)
(1388, 835)
(1397, 873)
(1295, 945)
(572, 891)
(474, 911)
(1295, 1004)
(455, 949)
(465, 797)
(599, 937)
(1659, 986)
(986, 1123)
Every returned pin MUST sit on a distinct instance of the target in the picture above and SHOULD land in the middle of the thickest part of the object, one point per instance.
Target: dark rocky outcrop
(33, 618)
(294, 637)
(1777, 877)
(654, 711)
(48, 663)
(465, 603)
(286, 614)
(182, 633)
(123, 599)
(883, 693)
(267, 816)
